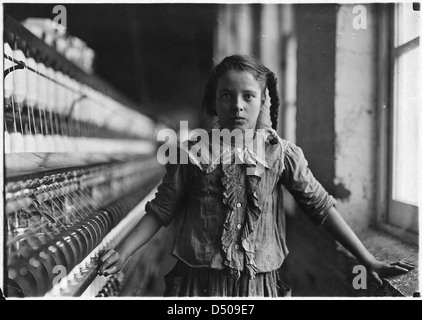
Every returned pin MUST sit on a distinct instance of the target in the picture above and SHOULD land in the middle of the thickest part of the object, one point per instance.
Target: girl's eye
(225, 96)
(248, 97)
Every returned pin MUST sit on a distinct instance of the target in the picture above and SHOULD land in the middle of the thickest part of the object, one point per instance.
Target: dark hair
(261, 73)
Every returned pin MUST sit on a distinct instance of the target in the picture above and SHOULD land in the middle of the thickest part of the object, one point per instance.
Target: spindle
(59, 212)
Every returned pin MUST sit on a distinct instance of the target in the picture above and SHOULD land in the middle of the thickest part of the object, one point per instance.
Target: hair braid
(274, 98)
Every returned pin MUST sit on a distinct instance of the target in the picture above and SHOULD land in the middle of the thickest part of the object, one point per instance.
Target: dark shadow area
(158, 55)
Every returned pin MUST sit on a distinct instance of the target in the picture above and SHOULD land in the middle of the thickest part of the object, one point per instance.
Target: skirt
(186, 281)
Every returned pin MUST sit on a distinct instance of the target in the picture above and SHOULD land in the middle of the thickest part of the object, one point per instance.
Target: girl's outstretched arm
(341, 231)
(160, 211)
(112, 260)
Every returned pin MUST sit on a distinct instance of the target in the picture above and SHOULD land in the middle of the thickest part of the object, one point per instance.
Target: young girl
(232, 237)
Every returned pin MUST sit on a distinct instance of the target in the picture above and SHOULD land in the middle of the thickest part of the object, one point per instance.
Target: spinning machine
(80, 164)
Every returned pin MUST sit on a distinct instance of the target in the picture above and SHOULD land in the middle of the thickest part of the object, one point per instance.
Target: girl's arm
(160, 211)
(112, 260)
(340, 230)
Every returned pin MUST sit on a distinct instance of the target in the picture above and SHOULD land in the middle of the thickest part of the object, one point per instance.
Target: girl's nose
(238, 104)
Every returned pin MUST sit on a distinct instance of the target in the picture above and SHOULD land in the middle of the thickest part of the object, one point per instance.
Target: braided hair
(274, 98)
(264, 76)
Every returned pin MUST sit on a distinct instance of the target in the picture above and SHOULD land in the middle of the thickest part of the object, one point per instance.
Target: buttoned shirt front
(231, 214)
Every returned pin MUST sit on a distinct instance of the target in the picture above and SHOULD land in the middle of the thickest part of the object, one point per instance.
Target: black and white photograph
(237, 151)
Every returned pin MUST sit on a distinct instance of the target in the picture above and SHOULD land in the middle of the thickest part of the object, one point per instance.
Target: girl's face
(238, 100)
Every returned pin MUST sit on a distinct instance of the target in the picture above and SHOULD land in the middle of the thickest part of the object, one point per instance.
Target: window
(403, 134)
(288, 74)
(404, 180)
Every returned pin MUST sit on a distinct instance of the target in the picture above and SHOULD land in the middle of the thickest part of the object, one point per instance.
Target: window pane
(405, 143)
(407, 23)
(290, 83)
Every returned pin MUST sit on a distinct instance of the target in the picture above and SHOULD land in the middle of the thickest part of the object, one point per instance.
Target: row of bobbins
(57, 221)
(46, 110)
(34, 271)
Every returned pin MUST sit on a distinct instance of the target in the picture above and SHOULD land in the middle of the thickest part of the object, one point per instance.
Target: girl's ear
(264, 119)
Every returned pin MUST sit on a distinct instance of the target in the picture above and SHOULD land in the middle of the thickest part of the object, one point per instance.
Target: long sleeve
(309, 194)
(169, 196)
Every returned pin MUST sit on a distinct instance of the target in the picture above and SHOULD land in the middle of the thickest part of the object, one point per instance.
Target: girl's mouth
(238, 119)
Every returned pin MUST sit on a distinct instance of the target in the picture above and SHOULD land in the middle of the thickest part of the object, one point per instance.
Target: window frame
(387, 53)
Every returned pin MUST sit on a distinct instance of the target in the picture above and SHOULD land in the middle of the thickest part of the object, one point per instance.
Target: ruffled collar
(207, 153)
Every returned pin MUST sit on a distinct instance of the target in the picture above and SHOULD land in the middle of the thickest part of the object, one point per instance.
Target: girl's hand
(110, 262)
(378, 269)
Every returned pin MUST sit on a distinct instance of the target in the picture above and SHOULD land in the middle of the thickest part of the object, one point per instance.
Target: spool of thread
(8, 80)
(60, 93)
(101, 142)
(86, 145)
(116, 146)
(7, 143)
(30, 143)
(112, 146)
(60, 107)
(40, 143)
(70, 144)
(64, 283)
(68, 92)
(14, 205)
(54, 144)
(51, 90)
(82, 144)
(42, 86)
(49, 143)
(55, 291)
(19, 274)
(17, 144)
(19, 79)
(58, 143)
(91, 145)
(100, 146)
(75, 144)
(32, 83)
(109, 146)
(65, 144)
